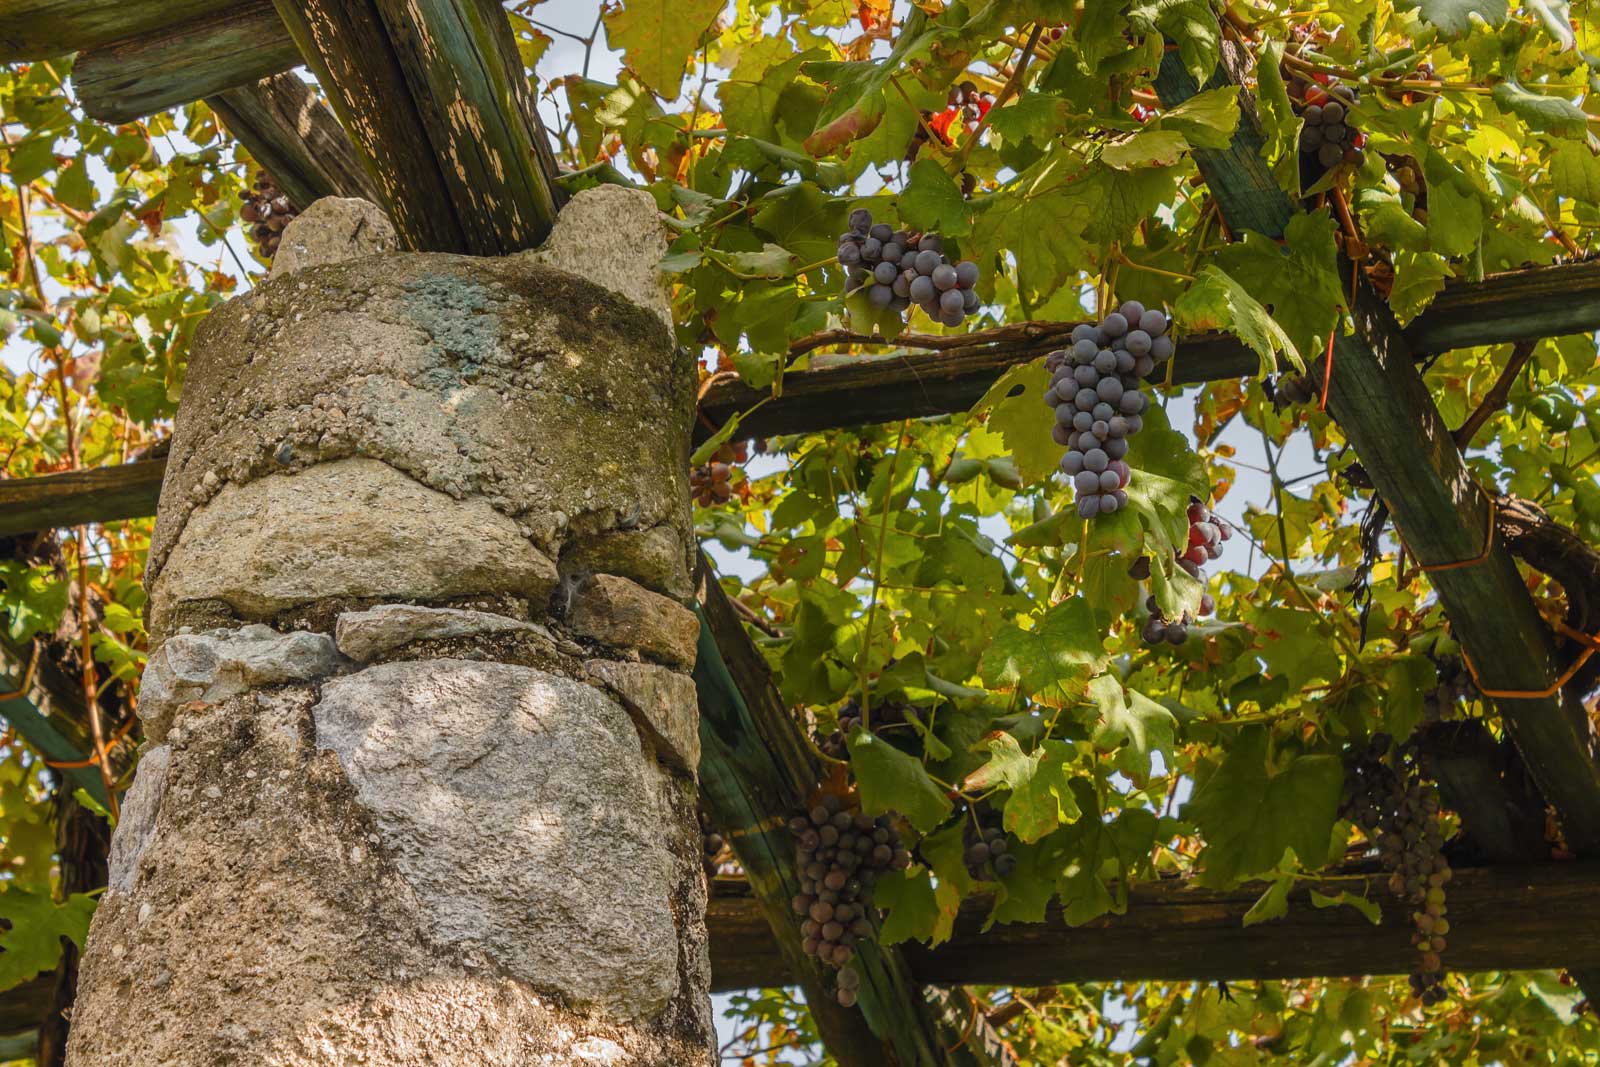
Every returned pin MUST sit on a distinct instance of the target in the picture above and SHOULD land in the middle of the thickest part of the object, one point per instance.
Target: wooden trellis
(391, 68)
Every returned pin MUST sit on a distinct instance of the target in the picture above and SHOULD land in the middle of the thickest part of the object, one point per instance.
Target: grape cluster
(712, 844)
(1094, 389)
(266, 211)
(840, 855)
(985, 848)
(1329, 133)
(1454, 685)
(899, 269)
(1399, 813)
(709, 483)
(886, 714)
(1293, 389)
(1206, 534)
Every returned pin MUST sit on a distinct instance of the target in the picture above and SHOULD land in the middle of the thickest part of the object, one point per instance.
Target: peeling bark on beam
(1508, 918)
(434, 95)
(183, 61)
(296, 138)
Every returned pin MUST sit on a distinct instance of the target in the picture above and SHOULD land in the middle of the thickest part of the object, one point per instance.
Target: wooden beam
(434, 94)
(1501, 308)
(183, 61)
(1503, 918)
(41, 29)
(1444, 516)
(23, 1006)
(98, 494)
(295, 138)
(756, 771)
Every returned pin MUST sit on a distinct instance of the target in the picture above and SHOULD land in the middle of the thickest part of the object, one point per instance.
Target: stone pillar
(419, 783)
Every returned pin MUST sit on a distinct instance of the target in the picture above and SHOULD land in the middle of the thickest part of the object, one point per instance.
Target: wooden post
(434, 95)
(756, 772)
(294, 136)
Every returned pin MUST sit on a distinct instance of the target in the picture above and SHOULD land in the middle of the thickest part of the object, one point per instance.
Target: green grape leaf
(1054, 660)
(1249, 812)
(1041, 798)
(1368, 908)
(38, 923)
(891, 780)
(1217, 302)
(909, 904)
(1146, 148)
(1550, 114)
(1455, 18)
(932, 201)
(1132, 725)
(1298, 279)
(1014, 408)
(1207, 119)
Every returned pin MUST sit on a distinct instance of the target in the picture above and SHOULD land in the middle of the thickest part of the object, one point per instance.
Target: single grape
(1125, 362)
(1088, 506)
(871, 250)
(1116, 447)
(1117, 426)
(1086, 376)
(1085, 399)
(926, 261)
(1084, 331)
(951, 300)
(1177, 633)
(1154, 322)
(1102, 411)
(879, 296)
(1072, 463)
(1060, 434)
(1086, 481)
(970, 299)
(1105, 361)
(849, 255)
(1085, 350)
(1108, 503)
(1161, 349)
(1109, 481)
(1131, 402)
(1329, 155)
(931, 242)
(1114, 325)
(885, 273)
(921, 289)
(893, 252)
(860, 220)
(944, 277)
(952, 318)
(882, 232)
(1082, 420)
(1332, 112)
(1095, 460)
(1110, 390)
(1313, 115)
(966, 274)
(1139, 343)
(902, 285)
(1132, 311)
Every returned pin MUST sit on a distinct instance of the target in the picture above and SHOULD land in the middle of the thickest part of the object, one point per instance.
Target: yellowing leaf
(657, 37)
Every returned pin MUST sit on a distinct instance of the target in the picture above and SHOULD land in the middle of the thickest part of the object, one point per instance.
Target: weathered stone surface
(332, 230)
(613, 237)
(657, 558)
(218, 664)
(551, 773)
(662, 701)
(140, 806)
(267, 923)
(624, 614)
(456, 370)
(353, 528)
(366, 635)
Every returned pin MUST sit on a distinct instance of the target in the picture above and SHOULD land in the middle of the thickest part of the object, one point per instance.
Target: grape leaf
(1217, 302)
(1575, 172)
(1556, 17)
(1014, 408)
(1418, 278)
(1040, 799)
(37, 925)
(1249, 812)
(891, 780)
(932, 201)
(910, 907)
(1298, 278)
(1054, 660)
(1207, 119)
(657, 38)
(1552, 114)
(1094, 853)
(1455, 18)
(1273, 904)
(1366, 907)
(1146, 148)
(1132, 725)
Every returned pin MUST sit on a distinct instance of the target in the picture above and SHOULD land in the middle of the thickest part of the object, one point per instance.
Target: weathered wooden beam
(1501, 308)
(183, 61)
(1445, 517)
(434, 94)
(21, 1007)
(756, 771)
(1502, 918)
(295, 138)
(40, 29)
(97, 494)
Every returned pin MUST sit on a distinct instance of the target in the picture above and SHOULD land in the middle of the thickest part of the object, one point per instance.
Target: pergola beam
(295, 137)
(1505, 918)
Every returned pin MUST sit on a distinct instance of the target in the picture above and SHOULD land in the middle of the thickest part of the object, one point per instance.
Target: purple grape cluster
(986, 850)
(1094, 390)
(898, 268)
(1206, 534)
(840, 854)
